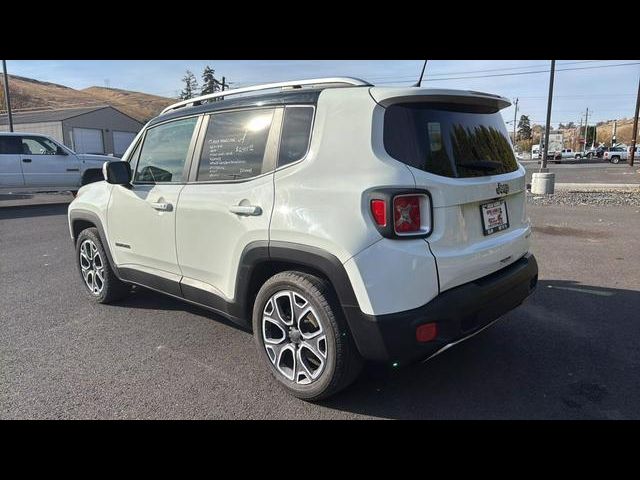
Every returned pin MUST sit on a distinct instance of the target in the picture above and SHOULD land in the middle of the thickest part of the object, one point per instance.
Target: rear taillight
(400, 213)
(411, 214)
(406, 214)
(379, 212)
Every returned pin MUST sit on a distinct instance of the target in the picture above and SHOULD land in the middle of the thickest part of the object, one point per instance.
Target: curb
(595, 187)
(598, 187)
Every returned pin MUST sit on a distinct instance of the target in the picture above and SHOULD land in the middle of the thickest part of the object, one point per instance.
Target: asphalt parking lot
(571, 352)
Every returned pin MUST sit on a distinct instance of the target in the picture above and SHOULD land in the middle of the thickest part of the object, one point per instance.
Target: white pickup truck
(616, 154)
(32, 162)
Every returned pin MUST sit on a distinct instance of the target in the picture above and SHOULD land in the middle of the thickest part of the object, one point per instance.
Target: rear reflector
(426, 332)
(379, 211)
(406, 213)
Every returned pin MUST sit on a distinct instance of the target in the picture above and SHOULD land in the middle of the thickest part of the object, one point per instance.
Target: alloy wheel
(294, 338)
(92, 267)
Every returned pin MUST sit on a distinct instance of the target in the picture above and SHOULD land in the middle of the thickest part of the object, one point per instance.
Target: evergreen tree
(524, 128)
(190, 86)
(209, 82)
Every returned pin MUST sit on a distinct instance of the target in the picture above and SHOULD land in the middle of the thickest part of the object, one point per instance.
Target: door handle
(246, 210)
(26, 160)
(162, 206)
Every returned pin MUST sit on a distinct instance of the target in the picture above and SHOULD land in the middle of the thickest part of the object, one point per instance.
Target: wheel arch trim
(91, 217)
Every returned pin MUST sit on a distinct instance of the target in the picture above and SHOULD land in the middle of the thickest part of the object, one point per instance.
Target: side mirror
(117, 173)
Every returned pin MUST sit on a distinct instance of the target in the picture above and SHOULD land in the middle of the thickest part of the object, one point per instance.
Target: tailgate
(463, 250)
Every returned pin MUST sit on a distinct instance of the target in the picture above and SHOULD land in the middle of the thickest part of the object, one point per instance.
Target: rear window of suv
(451, 140)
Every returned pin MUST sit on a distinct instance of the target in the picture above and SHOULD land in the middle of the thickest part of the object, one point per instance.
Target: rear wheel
(100, 282)
(302, 336)
(615, 160)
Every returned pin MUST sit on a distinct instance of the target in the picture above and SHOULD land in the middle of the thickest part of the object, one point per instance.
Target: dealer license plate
(494, 217)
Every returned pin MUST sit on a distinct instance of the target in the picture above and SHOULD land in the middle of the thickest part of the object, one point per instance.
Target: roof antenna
(421, 74)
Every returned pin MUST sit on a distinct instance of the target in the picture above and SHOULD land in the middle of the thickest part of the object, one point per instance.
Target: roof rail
(268, 86)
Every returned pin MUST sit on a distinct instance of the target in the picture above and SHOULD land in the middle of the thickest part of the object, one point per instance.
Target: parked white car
(31, 162)
(340, 221)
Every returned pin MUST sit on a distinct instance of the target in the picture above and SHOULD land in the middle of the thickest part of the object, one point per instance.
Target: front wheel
(100, 282)
(300, 333)
(615, 160)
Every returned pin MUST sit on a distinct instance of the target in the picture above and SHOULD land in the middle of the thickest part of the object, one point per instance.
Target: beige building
(100, 129)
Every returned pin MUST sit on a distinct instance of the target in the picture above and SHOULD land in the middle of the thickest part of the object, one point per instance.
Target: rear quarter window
(449, 140)
(296, 132)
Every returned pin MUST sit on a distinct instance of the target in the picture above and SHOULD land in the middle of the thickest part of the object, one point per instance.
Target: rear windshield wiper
(481, 165)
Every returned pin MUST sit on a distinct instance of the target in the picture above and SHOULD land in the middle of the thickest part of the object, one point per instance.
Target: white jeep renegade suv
(342, 221)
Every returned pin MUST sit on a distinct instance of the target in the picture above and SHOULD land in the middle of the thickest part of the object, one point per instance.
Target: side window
(164, 152)
(10, 145)
(234, 145)
(296, 131)
(38, 146)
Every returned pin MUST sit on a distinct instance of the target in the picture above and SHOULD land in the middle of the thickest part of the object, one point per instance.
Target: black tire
(113, 288)
(615, 160)
(343, 362)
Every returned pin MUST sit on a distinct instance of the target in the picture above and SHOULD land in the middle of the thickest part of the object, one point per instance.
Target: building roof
(57, 115)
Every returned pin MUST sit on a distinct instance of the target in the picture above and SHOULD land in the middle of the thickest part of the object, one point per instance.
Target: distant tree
(190, 86)
(524, 128)
(570, 125)
(209, 82)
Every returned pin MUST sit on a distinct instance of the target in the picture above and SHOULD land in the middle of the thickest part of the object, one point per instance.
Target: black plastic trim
(149, 280)
(88, 216)
(458, 312)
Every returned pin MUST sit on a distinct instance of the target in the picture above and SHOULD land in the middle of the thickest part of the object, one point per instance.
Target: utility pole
(580, 130)
(6, 94)
(586, 128)
(613, 135)
(224, 84)
(515, 116)
(635, 127)
(543, 167)
(543, 182)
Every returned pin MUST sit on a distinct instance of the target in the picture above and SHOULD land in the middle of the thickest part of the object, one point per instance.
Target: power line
(524, 73)
(486, 70)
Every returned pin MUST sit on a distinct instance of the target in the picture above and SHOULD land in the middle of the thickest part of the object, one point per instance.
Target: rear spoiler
(386, 96)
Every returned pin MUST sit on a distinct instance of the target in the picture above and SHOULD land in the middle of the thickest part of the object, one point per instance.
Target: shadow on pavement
(146, 299)
(569, 352)
(28, 211)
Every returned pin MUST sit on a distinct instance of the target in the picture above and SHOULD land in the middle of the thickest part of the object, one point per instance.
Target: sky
(607, 87)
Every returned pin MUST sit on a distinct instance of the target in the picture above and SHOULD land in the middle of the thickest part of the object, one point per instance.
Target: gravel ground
(610, 198)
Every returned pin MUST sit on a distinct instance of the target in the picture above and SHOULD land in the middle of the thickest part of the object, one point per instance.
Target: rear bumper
(459, 313)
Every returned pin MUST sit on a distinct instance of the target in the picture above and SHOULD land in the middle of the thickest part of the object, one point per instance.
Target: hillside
(27, 93)
(141, 106)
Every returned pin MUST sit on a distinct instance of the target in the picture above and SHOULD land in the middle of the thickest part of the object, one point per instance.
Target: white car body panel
(327, 210)
(408, 262)
(140, 235)
(210, 238)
